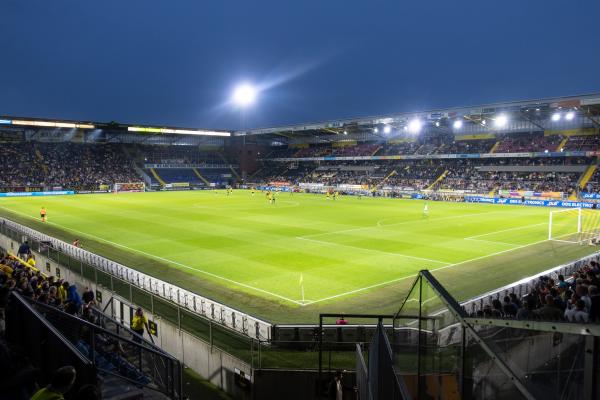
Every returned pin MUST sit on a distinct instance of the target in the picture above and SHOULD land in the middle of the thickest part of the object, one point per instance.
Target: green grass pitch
(351, 254)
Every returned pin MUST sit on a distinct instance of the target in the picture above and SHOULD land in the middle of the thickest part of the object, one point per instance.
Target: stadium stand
(108, 355)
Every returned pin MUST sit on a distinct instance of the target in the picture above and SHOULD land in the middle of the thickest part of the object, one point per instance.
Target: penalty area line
(413, 275)
(322, 242)
(165, 259)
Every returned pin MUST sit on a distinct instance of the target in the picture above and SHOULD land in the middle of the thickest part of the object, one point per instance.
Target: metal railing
(444, 352)
(130, 358)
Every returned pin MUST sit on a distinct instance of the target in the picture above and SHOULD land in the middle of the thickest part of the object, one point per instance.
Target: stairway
(495, 146)
(203, 179)
(385, 179)
(438, 180)
(587, 175)
(233, 171)
(584, 179)
(158, 178)
(376, 150)
(40, 158)
(562, 144)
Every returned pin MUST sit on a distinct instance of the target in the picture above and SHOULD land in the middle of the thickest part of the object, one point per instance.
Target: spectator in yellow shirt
(61, 293)
(62, 381)
(139, 322)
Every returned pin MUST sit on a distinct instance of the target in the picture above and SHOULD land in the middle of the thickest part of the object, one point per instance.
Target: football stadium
(253, 240)
(299, 200)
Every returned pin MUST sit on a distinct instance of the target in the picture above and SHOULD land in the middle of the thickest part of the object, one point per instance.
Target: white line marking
(431, 270)
(491, 241)
(398, 223)
(371, 250)
(506, 230)
(163, 259)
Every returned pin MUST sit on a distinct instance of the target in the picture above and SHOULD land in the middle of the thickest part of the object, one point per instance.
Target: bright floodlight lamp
(437, 123)
(501, 121)
(457, 124)
(387, 129)
(415, 125)
(556, 117)
(345, 132)
(375, 130)
(570, 115)
(244, 95)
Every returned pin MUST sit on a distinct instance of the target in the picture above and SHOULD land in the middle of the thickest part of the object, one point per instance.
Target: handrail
(169, 387)
(26, 264)
(148, 346)
(51, 328)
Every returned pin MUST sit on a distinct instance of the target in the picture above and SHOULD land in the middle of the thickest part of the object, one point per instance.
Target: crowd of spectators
(528, 143)
(22, 277)
(583, 143)
(462, 174)
(163, 154)
(65, 165)
(575, 299)
(523, 142)
(363, 149)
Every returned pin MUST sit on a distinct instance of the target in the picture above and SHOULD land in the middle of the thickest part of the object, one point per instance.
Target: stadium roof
(16, 122)
(529, 115)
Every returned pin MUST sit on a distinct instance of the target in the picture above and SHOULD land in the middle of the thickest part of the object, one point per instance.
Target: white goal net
(129, 187)
(574, 225)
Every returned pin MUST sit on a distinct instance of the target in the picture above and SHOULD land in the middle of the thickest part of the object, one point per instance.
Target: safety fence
(111, 274)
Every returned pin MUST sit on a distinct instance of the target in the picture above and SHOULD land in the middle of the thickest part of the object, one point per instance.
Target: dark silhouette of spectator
(497, 309)
(88, 392)
(62, 381)
(73, 297)
(549, 311)
(525, 312)
(24, 250)
(515, 300)
(88, 295)
(509, 308)
(594, 313)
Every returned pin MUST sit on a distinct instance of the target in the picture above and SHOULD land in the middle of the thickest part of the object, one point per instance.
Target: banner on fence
(531, 202)
(28, 194)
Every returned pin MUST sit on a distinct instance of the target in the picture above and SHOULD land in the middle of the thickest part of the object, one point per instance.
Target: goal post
(574, 225)
(129, 187)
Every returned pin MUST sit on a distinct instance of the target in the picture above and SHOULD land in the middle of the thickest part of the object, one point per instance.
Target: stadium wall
(219, 367)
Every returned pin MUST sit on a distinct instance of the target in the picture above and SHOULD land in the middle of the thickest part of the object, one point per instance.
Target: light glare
(244, 95)
(415, 126)
(501, 121)
(556, 117)
(457, 124)
(570, 115)
(387, 129)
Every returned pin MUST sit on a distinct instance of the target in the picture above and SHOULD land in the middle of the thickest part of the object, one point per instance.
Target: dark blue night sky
(176, 62)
